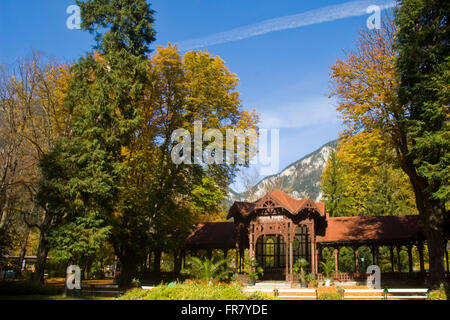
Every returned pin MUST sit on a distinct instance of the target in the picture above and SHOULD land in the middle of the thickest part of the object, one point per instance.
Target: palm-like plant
(208, 269)
(327, 268)
(253, 270)
(299, 269)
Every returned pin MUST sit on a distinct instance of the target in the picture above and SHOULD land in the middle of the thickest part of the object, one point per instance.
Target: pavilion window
(271, 252)
(302, 244)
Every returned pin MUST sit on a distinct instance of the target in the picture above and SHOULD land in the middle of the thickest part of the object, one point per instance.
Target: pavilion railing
(386, 276)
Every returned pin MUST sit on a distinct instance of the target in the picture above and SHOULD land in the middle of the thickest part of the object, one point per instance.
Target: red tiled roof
(212, 235)
(291, 204)
(379, 228)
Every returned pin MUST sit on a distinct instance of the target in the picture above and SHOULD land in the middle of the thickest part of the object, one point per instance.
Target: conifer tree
(82, 174)
(423, 65)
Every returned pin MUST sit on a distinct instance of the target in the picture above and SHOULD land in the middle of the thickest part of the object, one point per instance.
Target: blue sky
(284, 75)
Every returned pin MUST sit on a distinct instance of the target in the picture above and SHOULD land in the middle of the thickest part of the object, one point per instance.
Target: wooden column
(242, 259)
(237, 259)
(374, 250)
(291, 258)
(410, 258)
(420, 249)
(250, 239)
(286, 254)
(183, 260)
(336, 259)
(237, 232)
(356, 253)
(391, 249)
(319, 258)
(446, 259)
(399, 261)
(313, 248)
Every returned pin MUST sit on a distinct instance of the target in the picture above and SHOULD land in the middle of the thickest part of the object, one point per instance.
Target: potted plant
(311, 280)
(328, 271)
(254, 271)
(299, 270)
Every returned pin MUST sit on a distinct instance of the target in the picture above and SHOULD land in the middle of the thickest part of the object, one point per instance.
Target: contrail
(326, 14)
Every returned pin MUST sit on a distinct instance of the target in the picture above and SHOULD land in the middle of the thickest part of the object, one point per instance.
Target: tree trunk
(128, 270)
(4, 214)
(41, 258)
(23, 249)
(177, 256)
(43, 249)
(432, 216)
(434, 233)
(157, 262)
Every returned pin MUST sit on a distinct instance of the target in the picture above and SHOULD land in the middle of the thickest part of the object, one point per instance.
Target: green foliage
(208, 269)
(128, 24)
(194, 291)
(79, 240)
(161, 200)
(76, 198)
(253, 270)
(424, 68)
(299, 269)
(330, 296)
(359, 180)
(310, 277)
(330, 293)
(327, 268)
(333, 186)
(82, 173)
(438, 294)
(135, 283)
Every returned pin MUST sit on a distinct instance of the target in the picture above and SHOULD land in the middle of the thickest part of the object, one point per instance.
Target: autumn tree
(161, 198)
(367, 84)
(31, 121)
(359, 179)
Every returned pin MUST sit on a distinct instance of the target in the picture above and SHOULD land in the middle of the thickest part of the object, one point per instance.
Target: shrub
(253, 270)
(208, 269)
(26, 275)
(327, 268)
(135, 283)
(194, 291)
(438, 294)
(330, 296)
(135, 294)
(299, 269)
(330, 293)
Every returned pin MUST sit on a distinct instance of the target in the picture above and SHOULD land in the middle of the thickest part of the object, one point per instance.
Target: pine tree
(424, 74)
(82, 174)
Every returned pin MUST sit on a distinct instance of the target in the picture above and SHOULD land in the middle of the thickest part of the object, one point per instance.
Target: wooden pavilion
(278, 229)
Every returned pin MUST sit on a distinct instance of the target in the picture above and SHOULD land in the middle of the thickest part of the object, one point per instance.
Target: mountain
(300, 179)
